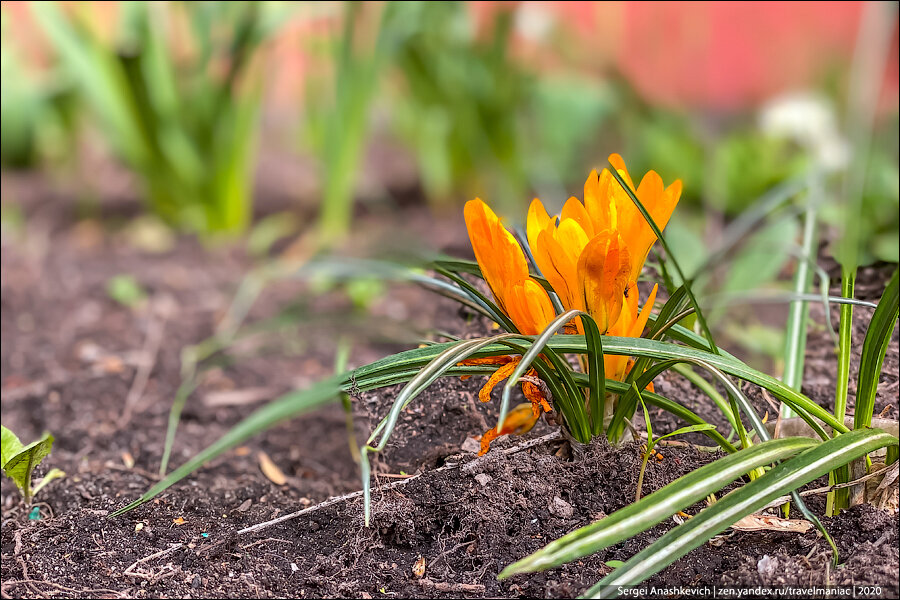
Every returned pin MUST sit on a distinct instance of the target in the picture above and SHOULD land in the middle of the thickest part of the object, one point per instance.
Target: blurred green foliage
(477, 120)
(178, 98)
(38, 114)
(337, 111)
(185, 123)
(126, 290)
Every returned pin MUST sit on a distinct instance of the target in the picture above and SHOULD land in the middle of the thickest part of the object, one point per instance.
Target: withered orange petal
(519, 420)
(486, 360)
(484, 394)
(489, 436)
(533, 393)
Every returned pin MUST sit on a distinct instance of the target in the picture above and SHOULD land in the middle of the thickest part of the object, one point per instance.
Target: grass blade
(285, 407)
(840, 498)
(878, 336)
(527, 359)
(786, 477)
(798, 317)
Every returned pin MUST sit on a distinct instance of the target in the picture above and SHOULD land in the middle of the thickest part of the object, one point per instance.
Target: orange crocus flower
(557, 248)
(592, 256)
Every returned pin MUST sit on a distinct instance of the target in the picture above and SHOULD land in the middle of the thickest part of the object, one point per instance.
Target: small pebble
(195, 583)
(561, 508)
(471, 446)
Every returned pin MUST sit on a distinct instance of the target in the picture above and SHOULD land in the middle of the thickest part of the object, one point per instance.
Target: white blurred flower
(808, 119)
(533, 21)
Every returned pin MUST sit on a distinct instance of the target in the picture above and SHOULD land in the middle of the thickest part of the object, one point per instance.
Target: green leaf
(755, 264)
(19, 462)
(878, 336)
(688, 429)
(839, 499)
(786, 477)
(126, 290)
(652, 509)
(50, 476)
(10, 445)
(798, 316)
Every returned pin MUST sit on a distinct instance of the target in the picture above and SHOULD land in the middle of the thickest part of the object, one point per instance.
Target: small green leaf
(10, 445)
(50, 476)
(19, 465)
(615, 564)
(688, 429)
(125, 290)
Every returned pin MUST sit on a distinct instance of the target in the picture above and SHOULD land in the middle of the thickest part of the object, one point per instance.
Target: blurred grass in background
(499, 100)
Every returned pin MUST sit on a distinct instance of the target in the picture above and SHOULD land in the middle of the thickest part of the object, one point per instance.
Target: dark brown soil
(69, 359)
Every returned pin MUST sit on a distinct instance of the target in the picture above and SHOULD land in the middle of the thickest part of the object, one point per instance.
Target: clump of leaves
(19, 462)
(187, 131)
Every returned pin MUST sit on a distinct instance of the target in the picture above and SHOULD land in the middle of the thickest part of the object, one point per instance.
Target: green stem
(795, 337)
(640, 481)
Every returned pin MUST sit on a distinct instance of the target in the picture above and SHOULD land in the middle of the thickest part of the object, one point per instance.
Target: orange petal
(637, 328)
(659, 203)
(572, 237)
(519, 420)
(615, 367)
(496, 250)
(558, 267)
(574, 210)
(538, 220)
(484, 394)
(597, 204)
(529, 306)
(619, 163)
(603, 270)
